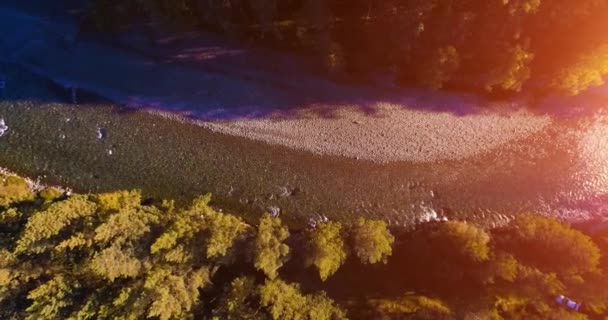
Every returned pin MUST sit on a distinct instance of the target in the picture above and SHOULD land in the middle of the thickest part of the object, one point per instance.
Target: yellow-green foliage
(553, 246)
(463, 239)
(126, 225)
(180, 240)
(513, 72)
(372, 241)
(270, 253)
(420, 307)
(440, 67)
(49, 299)
(224, 230)
(114, 262)
(119, 200)
(78, 240)
(285, 302)
(174, 294)
(235, 302)
(46, 224)
(505, 267)
(14, 189)
(50, 194)
(588, 71)
(327, 251)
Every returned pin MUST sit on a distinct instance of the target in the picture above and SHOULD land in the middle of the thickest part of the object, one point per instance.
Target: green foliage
(116, 258)
(237, 302)
(327, 251)
(270, 253)
(113, 262)
(119, 200)
(50, 299)
(44, 225)
(513, 72)
(13, 190)
(372, 242)
(285, 302)
(480, 45)
(50, 194)
(462, 240)
(127, 225)
(552, 246)
(224, 231)
(173, 295)
(439, 69)
(415, 306)
(589, 71)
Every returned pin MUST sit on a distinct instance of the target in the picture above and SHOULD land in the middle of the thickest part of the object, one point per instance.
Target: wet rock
(101, 133)
(3, 127)
(274, 211)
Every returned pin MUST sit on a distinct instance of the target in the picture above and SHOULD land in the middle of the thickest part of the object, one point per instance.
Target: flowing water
(561, 171)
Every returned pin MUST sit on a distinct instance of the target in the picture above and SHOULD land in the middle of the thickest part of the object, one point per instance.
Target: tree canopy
(112, 256)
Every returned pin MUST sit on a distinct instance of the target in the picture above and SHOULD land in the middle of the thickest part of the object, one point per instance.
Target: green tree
(439, 69)
(412, 306)
(372, 242)
(461, 240)
(50, 299)
(513, 71)
(588, 71)
(174, 294)
(285, 301)
(44, 225)
(238, 301)
(13, 190)
(114, 201)
(327, 251)
(113, 262)
(552, 246)
(224, 230)
(270, 253)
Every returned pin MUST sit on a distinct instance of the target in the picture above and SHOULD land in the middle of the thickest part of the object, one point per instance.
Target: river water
(561, 171)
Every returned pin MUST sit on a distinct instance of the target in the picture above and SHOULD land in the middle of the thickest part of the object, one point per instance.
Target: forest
(497, 47)
(120, 255)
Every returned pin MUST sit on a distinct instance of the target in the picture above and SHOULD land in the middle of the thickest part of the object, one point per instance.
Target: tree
(50, 299)
(440, 67)
(44, 225)
(270, 253)
(13, 190)
(372, 242)
(588, 71)
(238, 301)
(327, 251)
(50, 194)
(224, 230)
(513, 71)
(461, 240)
(551, 246)
(411, 306)
(284, 301)
(174, 294)
(114, 201)
(112, 263)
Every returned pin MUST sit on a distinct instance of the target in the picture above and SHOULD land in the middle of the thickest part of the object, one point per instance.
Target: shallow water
(561, 171)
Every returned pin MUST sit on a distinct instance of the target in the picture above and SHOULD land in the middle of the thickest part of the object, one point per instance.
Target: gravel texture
(393, 133)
